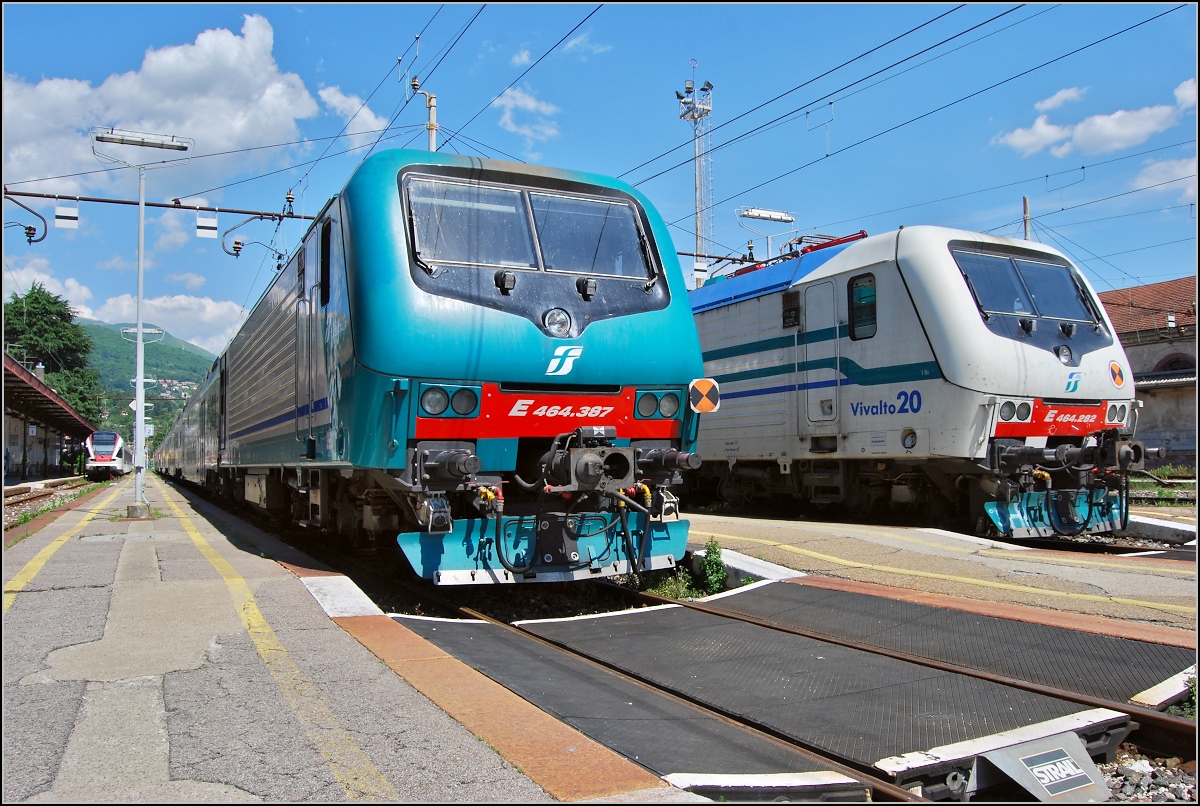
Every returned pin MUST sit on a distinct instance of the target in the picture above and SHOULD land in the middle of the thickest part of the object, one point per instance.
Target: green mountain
(171, 359)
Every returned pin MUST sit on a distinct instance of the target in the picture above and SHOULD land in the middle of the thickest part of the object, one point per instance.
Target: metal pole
(139, 508)
(1025, 200)
(431, 103)
(700, 246)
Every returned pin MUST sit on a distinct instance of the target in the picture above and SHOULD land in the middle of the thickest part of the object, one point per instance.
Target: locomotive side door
(312, 401)
(821, 353)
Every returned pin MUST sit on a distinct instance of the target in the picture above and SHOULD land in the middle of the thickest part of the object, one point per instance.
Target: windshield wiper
(432, 271)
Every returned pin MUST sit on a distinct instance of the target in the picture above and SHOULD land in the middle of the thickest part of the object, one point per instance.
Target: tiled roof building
(1156, 324)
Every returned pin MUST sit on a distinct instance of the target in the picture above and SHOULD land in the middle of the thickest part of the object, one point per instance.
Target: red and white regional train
(108, 456)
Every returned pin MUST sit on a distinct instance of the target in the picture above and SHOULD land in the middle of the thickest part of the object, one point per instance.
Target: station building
(1157, 327)
(42, 433)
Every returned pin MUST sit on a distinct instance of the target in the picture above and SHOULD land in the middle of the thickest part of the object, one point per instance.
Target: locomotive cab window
(862, 306)
(1015, 286)
(588, 236)
(471, 225)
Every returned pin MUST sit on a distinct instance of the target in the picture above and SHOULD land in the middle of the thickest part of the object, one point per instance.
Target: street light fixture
(161, 142)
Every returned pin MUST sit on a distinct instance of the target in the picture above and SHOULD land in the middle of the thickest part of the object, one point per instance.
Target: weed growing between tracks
(1187, 708)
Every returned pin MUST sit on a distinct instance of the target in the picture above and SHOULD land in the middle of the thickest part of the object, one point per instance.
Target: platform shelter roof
(25, 394)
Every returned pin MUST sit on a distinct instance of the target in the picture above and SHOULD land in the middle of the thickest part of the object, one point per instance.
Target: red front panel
(1054, 420)
(546, 414)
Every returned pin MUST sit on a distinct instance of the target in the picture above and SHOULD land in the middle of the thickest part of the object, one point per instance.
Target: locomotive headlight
(464, 401)
(1064, 353)
(1008, 410)
(668, 406)
(557, 322)
(1112, 413)
(435, 400)
(1121, 414)
(647, 405)
(1023, 411)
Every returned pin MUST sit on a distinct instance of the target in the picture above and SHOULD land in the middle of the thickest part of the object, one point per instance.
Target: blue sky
(940, 114)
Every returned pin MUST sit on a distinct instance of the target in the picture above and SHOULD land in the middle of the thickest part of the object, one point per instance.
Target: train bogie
(904, 371)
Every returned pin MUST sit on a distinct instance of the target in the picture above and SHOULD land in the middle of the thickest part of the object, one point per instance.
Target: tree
(41, 326)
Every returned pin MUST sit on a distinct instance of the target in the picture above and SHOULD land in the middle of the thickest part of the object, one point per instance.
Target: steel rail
(877, 786)
(1144, 716)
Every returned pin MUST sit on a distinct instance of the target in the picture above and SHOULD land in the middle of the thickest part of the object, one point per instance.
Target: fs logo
(563, 360)
(1073, 381)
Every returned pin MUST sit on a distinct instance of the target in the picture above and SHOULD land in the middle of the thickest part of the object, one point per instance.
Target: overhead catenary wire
(809, 104)
(444, 53)
(1001, 186)
(523, 74)
(1096, 201)
(363, 106)
(941, 108)
(796, 88)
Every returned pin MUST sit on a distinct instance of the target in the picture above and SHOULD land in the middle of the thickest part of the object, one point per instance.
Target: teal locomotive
(493, 365)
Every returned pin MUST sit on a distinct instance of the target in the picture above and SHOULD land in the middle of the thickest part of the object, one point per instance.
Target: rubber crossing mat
(1085, 663)
(858, 706)
(660, 733)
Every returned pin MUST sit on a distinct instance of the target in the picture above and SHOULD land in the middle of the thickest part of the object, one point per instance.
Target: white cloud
(1032, 140)
(515, 101)
(520, 58)
(1155, 173)
(225, 91)
(582, 46)
(202, 321)
(362, 124)
(37, 270)
(191, 281)
(1059, 98)
(175, 231)
(1098, 134)
(1185, 94)
(1101, 134)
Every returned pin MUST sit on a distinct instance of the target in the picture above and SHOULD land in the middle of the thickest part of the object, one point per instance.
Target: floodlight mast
(139, 509)
(695, 106)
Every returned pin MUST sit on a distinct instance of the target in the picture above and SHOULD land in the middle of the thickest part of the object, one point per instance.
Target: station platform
(1146, 593)
(191, 657)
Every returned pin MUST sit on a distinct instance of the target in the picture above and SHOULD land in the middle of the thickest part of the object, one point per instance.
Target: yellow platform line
(1087, 597)
(31, 569)
(350, 765)
(1145, 569)
(1023, 557)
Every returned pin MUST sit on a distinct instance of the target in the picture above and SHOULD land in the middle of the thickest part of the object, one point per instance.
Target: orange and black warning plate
(704, 395)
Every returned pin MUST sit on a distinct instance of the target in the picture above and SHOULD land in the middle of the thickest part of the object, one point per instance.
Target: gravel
(15, 510)
(1141, 779)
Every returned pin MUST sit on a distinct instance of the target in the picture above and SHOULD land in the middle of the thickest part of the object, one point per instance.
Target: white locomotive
(931, 369)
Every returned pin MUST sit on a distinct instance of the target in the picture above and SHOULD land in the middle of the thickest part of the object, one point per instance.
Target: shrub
(712, 568)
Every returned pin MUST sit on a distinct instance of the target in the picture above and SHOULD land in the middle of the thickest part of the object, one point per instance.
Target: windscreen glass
(104, 442)
(470, 224)
(588, 237)
(1054, 291)
(995, 283)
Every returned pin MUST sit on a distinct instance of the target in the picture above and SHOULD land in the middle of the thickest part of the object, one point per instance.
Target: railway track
(1156, 732)
(26, 495)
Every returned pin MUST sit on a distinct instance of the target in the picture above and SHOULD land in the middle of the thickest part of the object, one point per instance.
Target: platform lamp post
(182, 145)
